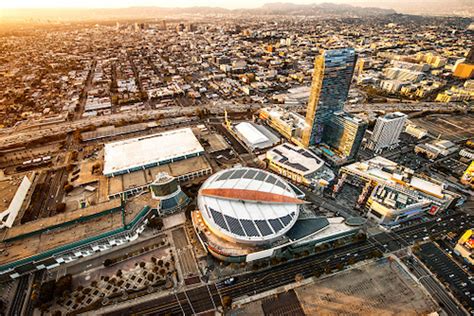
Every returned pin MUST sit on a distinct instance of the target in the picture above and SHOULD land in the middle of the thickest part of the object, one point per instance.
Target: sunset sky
(175, 3)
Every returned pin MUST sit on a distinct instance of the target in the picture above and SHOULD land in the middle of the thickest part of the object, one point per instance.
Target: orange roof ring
(250, 195)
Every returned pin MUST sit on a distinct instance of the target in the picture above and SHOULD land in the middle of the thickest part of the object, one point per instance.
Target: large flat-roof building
(132, 183)
(299, 165)
(13, 192)
(150, 151)
(48, 242)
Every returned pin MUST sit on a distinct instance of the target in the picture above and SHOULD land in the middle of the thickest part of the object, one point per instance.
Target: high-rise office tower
(387, 131)
(344, 133)
(332, 76)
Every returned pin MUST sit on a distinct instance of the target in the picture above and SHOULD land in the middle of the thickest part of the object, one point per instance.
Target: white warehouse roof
(142, 152)
(251, 134)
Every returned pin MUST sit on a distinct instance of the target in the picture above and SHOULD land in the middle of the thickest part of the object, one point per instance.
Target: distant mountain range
(279, 8)
(357, 8)
(320, 9)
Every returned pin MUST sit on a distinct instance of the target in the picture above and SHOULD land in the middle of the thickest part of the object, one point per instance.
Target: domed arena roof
(248, 205)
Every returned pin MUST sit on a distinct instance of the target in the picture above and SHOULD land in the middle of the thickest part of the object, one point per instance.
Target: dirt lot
(374, 289)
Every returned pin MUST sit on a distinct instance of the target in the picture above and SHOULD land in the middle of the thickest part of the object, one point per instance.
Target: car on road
(229, 281)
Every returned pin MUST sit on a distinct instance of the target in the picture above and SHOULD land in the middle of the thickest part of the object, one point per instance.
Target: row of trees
(44, 294)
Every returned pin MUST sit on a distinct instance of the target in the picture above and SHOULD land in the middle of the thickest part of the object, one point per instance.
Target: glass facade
(344, 133)
(332, 77)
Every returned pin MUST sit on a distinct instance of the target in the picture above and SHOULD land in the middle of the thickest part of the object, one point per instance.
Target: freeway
(11, 138)
(407, 107)
(256, 282)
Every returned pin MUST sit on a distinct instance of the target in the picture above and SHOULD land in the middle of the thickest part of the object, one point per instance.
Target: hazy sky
(231, 4)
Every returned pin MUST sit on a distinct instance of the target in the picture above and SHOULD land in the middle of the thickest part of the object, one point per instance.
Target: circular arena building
(245, 214)
(247, 207)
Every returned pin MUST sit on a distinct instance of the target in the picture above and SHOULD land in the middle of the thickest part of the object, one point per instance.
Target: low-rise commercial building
(468, 176)
(436, 148)
(290, 125)
(299, 165)
(415, 131)
(399, 189)
(388, 205)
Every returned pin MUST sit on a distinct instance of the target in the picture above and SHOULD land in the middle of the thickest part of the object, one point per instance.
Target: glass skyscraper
(332, 76)
(344, 133)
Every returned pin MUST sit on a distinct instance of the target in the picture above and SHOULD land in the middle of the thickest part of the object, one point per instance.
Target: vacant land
(374, 289)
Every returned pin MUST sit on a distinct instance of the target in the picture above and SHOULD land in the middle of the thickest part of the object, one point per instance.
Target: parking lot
(449, 273)
(451, 167)
(410, 160)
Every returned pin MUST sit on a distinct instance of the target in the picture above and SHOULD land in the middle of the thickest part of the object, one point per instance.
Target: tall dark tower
(332, 76)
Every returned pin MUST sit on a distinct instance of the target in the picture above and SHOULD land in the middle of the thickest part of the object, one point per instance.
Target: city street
(282, 274)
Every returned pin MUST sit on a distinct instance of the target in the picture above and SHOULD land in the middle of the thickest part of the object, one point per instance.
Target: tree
(226, 301)
(299, 277)
(156, 223)
(60, 207)
(64, 284)
(46, 292)
(150, 277)
(108, 262)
